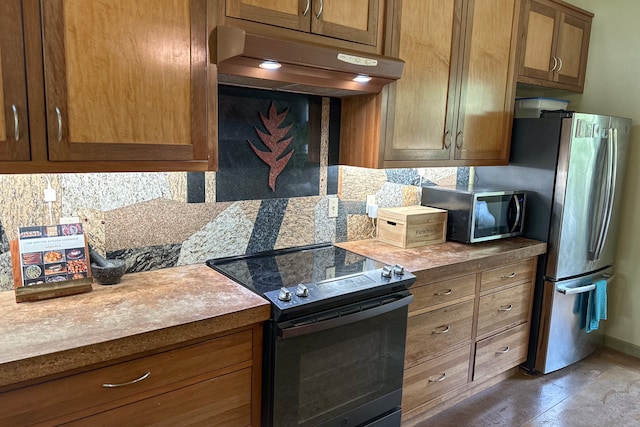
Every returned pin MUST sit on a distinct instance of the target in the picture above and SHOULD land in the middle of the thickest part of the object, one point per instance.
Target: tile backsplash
(144, 218)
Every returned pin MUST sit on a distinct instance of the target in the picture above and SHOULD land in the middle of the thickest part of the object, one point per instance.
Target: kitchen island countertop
(144, 312)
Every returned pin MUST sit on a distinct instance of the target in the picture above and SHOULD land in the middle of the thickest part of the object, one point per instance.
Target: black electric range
(305, 279)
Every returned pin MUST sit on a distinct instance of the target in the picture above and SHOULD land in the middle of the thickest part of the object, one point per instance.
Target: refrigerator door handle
(600, 230)
(583, 289)
(613, 162)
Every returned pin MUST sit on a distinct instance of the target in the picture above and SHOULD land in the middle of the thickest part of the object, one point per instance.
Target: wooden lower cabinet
(464, 335)
(215, 382)
(425, 382)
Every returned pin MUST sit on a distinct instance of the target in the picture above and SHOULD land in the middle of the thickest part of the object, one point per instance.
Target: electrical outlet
(333, 207)
(371, 200)
(330, 273)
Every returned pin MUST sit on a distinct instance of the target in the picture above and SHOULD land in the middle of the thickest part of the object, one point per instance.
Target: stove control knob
(284, 294)
(386, 272)
(302, 291)
(398, 270)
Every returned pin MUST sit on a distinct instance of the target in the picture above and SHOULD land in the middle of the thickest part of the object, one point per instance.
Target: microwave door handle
(295, 331)
(516, 222)
(613, 166)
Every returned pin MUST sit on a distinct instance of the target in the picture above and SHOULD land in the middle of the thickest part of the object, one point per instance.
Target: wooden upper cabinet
(555, 44)
(353, 20)
(453, 105)
(125, 81)
(14, 132)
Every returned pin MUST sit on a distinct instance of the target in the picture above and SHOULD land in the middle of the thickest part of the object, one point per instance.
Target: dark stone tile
(149, 258)
(267, 225)
(4, 241)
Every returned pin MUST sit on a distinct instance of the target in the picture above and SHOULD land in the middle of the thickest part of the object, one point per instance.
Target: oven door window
(326, 374)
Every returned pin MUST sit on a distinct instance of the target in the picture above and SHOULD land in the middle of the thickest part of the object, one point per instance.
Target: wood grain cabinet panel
(431, 379)
(125, 80)
(501, 352)
(143, 377)
(435, 332)
(504, 308)
(354, 20)
(441, 293)
(453, 105)
(555, 44)
(14, 130)
(507, 275)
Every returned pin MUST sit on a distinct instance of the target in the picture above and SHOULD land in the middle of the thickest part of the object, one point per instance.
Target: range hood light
(362, 78)
(270, 65)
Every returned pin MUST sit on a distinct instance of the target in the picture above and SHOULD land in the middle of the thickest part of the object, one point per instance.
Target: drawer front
(222, 401)
(442, 292)
(433, 378)
(67, 395)
(503, 308)
(507, 275)
(434, 332)
(501, 352)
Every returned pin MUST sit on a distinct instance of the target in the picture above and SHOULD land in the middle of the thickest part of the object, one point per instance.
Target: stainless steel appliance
(334, 346)
(477, 215)
(572, 166)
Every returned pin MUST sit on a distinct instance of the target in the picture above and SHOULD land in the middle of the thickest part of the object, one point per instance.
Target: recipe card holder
(45, 290)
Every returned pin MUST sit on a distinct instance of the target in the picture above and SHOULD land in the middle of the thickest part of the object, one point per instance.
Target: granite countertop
(144, 312)
(449, 259)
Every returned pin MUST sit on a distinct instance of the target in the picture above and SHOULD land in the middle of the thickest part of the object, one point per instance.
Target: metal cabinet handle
(506, 307)
(439, 379)
(447, 139)
(16, 123)
(459, 140)
(443, 292)
(560, 65)
(320, 10)
(307, 7)
(441, 331)
(504, 350)
(137, 380)
(555, 63)
(59, 114)
(509, 276)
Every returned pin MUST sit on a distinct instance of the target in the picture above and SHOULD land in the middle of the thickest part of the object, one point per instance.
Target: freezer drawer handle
(443, 292)
(509, 276)
(439, 379)
(582, 289)
(441, 329)
(505, 307)
(504, 350)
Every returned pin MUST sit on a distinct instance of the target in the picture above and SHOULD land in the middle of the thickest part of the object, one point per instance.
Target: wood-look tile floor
(602, 390)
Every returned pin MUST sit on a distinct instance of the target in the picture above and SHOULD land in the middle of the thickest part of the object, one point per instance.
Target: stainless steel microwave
(480, 214)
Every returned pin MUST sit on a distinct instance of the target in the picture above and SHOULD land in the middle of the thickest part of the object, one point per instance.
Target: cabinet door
(125, 80)
(353, 20)
(572, 49)
(292, 14)
(14, 134)
(421, 113)
(539, 47)
(483, 131)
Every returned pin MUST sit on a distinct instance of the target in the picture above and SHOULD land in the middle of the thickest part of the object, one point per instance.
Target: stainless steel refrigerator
(572, 166)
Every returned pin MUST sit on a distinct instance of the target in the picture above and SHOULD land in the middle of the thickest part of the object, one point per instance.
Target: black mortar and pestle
(106, 271)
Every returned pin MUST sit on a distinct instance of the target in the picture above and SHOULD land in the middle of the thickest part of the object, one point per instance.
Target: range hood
(305, 67)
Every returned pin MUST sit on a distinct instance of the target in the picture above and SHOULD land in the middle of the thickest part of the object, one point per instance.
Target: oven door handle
(310, 328)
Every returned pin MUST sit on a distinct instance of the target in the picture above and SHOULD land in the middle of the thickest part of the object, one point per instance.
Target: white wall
(613, 87)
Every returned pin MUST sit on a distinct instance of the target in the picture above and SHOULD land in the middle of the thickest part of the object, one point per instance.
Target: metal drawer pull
(560, 66)
(440, 378)
(16, 123)
(307, 7)
(442, 292)
(321, 9)
(137, 380)
(505, 307)
(441, 331)
(555, 63)
(509, 276)
(503, 351)
(59, 114)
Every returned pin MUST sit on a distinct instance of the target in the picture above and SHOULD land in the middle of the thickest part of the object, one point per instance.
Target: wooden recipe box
(412, 226)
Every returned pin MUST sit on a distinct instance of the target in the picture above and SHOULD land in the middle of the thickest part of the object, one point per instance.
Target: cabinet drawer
(433, 378)
(442, 292)
(222, 401)
(432, 333)
(507, 275)
(77, 392)
(501, 352)
(503, 308)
